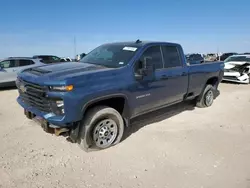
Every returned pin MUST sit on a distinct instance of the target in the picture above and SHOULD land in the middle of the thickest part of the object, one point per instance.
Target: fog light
(57, 107)
(59, 103)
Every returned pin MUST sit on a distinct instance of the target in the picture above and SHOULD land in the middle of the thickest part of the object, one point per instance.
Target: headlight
(61, 88)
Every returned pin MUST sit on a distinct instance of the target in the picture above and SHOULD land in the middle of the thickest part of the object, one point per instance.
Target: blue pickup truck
(92, 101)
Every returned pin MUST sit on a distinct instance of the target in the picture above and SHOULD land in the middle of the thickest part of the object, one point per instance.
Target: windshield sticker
(133, 49)
(121, 63)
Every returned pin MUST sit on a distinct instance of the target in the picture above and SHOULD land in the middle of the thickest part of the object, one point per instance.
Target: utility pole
(218, 53)
(74, 46)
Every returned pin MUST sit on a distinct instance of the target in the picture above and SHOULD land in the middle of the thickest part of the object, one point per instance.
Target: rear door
(175, 74)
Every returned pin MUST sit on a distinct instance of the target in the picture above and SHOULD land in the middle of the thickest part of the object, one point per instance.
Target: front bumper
(236, 77)
(49, 117)
(71, 131)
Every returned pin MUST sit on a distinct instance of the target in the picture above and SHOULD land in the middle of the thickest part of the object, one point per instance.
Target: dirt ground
(177, 147)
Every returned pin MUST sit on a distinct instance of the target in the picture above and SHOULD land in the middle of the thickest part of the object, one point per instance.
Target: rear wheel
(206, 98)
(101, 128)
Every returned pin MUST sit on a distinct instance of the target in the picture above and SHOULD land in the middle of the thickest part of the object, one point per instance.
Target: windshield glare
(110, 55)
(238, 58)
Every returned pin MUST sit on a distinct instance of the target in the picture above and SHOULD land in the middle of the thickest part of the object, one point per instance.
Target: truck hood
(60, 71)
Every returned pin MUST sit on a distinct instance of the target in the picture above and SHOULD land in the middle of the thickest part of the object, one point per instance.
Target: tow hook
(59, 131)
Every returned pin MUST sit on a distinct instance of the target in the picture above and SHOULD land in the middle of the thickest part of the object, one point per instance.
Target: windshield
(238, 58)
(110, 55)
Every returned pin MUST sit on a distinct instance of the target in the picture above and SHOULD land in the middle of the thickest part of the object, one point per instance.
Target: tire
(206, 98)
(101, 128)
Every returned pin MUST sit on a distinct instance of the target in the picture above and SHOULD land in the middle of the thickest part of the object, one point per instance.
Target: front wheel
(101, 128)
(206, 99)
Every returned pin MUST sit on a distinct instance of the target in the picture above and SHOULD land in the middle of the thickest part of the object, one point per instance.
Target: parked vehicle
(237, 69)
(79, 56)
(65, 59)
(226, 55)
(211, 57)
(94, 100)
(194, 59)
(11, 66)
(47, 59)
(82, 55)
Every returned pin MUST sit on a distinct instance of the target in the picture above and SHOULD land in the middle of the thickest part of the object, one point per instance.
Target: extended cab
(95, 99)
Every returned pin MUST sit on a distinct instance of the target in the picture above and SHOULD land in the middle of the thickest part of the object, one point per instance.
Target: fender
(126, 111)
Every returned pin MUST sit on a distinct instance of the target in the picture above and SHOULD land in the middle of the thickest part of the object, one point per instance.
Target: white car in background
(11, 66)
(237, 69)
(66, 59)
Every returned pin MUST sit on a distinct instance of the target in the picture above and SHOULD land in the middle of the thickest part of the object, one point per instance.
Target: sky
(32, 27)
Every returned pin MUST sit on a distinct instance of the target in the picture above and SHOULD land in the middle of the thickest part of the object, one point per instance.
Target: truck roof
(139, 43)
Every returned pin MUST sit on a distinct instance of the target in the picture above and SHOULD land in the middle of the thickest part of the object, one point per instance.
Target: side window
(154, 52)
(7, 64)
(171, 57)
(55, 58)
(44, 58)
(25, 62)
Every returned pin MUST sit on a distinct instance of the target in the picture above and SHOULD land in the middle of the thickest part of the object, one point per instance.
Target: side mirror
(146, 68)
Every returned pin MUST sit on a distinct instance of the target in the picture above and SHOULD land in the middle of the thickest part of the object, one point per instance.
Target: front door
(175, 73)
(147, 94)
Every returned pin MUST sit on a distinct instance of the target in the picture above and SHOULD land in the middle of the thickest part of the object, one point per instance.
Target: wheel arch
(117, 101)
(214, 81)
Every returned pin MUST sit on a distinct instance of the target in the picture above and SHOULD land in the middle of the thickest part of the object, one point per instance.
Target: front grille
(34, 95)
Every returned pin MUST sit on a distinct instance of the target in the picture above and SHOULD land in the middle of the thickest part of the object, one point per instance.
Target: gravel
(180, 146)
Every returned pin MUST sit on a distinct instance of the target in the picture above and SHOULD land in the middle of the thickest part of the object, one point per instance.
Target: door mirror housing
(146, 68)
